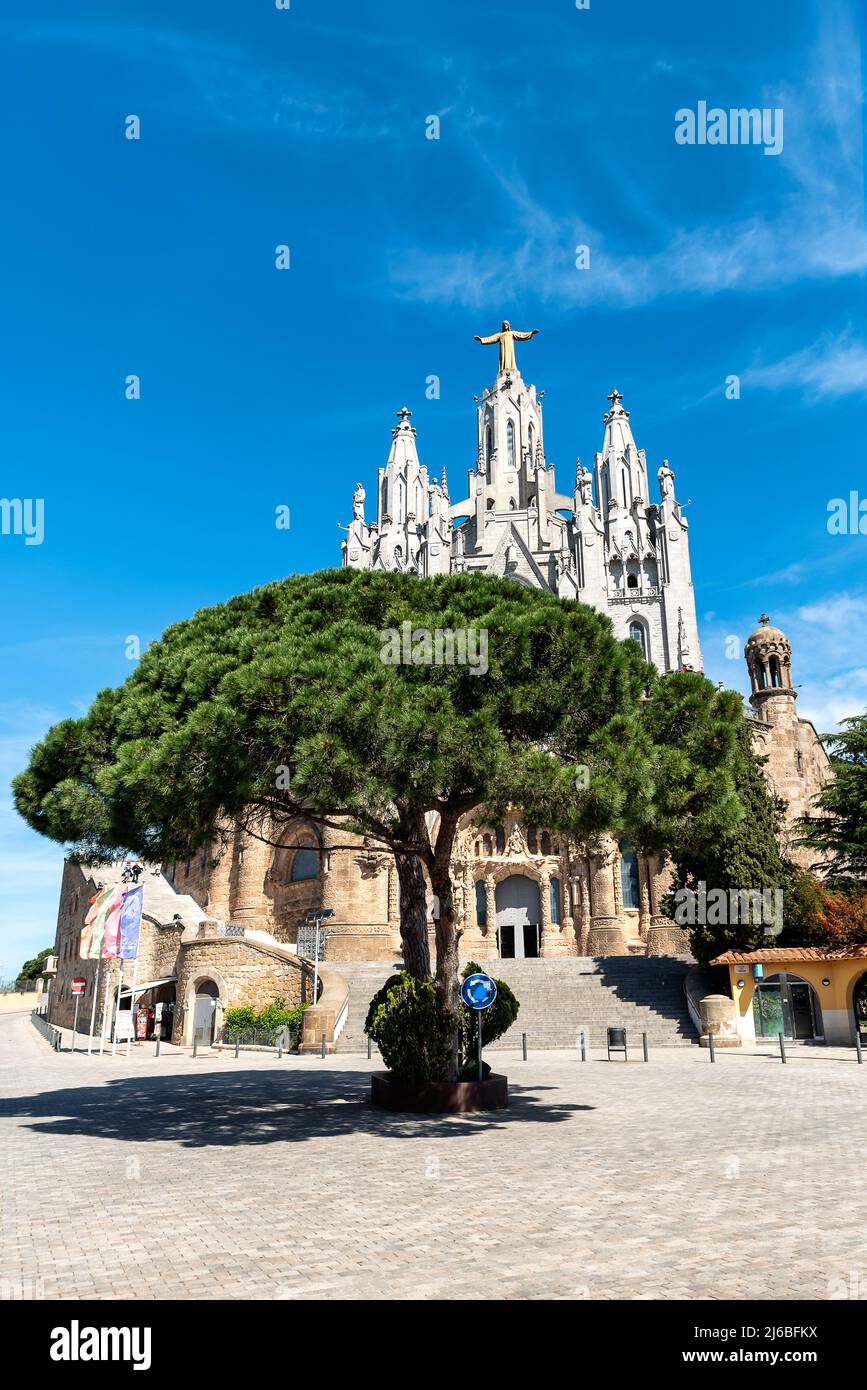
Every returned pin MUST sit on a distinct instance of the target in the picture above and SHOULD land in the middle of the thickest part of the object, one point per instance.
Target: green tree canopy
(744, 857)
(837, 829)
(32, 969)
(279, 704)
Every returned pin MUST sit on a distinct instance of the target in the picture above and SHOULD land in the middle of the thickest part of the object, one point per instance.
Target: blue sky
(260, 387)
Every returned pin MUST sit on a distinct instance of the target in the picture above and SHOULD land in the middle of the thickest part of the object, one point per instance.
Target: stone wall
(797, 766)
(243, 973)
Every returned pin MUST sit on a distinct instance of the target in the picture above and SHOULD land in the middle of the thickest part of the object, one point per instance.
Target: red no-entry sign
(78, 985)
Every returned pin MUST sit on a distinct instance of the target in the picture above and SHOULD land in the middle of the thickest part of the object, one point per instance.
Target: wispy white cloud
(233, 89)
(831, 368)
(813, 229)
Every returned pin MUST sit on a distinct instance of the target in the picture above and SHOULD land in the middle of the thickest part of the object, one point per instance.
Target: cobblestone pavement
(216, 1178)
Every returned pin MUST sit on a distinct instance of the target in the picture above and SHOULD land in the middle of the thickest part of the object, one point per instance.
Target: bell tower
(769, 661)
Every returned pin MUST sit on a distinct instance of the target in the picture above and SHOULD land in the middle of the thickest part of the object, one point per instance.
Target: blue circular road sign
(478, 991)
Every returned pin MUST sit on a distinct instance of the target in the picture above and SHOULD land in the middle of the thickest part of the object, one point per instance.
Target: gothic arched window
(532, 841)
(546, 842)
(500, 839)
(305, 865)
(481, 903)
(629, 884)
(510, 444)
(637, 633)
(530, 440)
(555, 902)
(489, 449)
(632, 581)
(486, 841)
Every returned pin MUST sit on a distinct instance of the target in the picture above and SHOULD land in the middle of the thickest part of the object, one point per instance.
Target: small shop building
(807, 993)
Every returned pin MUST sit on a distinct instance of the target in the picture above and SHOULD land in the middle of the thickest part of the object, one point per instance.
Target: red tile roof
(774, 954)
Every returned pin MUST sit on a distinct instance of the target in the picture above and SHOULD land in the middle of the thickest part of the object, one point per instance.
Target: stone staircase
(364, 978)
(644, 994)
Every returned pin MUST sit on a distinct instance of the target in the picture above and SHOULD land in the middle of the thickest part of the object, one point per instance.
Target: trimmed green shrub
(495, 1020)
(267, 1021)
(411, 1029)
(234, 1020)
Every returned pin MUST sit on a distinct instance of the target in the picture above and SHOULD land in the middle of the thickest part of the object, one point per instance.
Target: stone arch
(298, 835)
(518, 902)
(205, 975)
(857, 1001)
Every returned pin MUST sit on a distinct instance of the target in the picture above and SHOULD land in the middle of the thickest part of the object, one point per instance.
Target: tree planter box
(439, 1097)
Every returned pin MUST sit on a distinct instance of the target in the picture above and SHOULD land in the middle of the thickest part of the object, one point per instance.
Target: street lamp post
(317, 917)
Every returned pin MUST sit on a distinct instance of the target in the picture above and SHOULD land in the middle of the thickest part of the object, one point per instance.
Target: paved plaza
(256, 1178)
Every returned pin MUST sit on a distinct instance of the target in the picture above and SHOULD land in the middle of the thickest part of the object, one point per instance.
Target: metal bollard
(644, 1044)
(195, 1046)
(782, 1048)
(157, 1048)
(858, 1047)
(583, 1046)
(710, 1047)
(322, 1053)
(280, 1052)
(524, 1045)
(237, 1048)
(369, 1048)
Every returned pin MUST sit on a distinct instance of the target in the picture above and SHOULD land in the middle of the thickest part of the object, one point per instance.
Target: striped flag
(97, 903)
(130, 922)
(110, 924)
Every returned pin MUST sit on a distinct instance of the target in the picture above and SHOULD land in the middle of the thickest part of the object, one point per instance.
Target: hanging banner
(110, 925)
(130, 923)
(96, 903)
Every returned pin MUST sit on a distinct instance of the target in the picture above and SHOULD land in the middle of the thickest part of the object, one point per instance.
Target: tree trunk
(413, 914)
(447, 936)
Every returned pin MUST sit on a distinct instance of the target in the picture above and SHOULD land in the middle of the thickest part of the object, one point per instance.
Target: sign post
(77, 986)
(478, 992)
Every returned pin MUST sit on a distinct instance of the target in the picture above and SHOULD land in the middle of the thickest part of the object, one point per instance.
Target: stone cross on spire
(615, 397)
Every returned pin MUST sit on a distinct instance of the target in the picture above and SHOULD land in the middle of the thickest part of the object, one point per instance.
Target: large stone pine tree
(279, 704)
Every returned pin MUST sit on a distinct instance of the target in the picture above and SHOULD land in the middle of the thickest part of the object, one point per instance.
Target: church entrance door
(518, 917)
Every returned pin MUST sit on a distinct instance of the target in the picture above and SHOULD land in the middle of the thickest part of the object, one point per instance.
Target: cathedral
(223, 928)
(622, 553)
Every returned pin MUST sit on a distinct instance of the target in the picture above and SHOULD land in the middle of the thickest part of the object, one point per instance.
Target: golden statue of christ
(507, 338)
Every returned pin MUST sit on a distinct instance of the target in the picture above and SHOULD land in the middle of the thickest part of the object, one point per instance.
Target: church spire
(618, 431)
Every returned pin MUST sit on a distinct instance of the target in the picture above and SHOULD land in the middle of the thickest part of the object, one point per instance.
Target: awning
(150, 984)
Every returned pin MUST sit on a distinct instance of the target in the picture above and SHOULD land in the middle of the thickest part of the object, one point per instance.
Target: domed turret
(769, 661)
